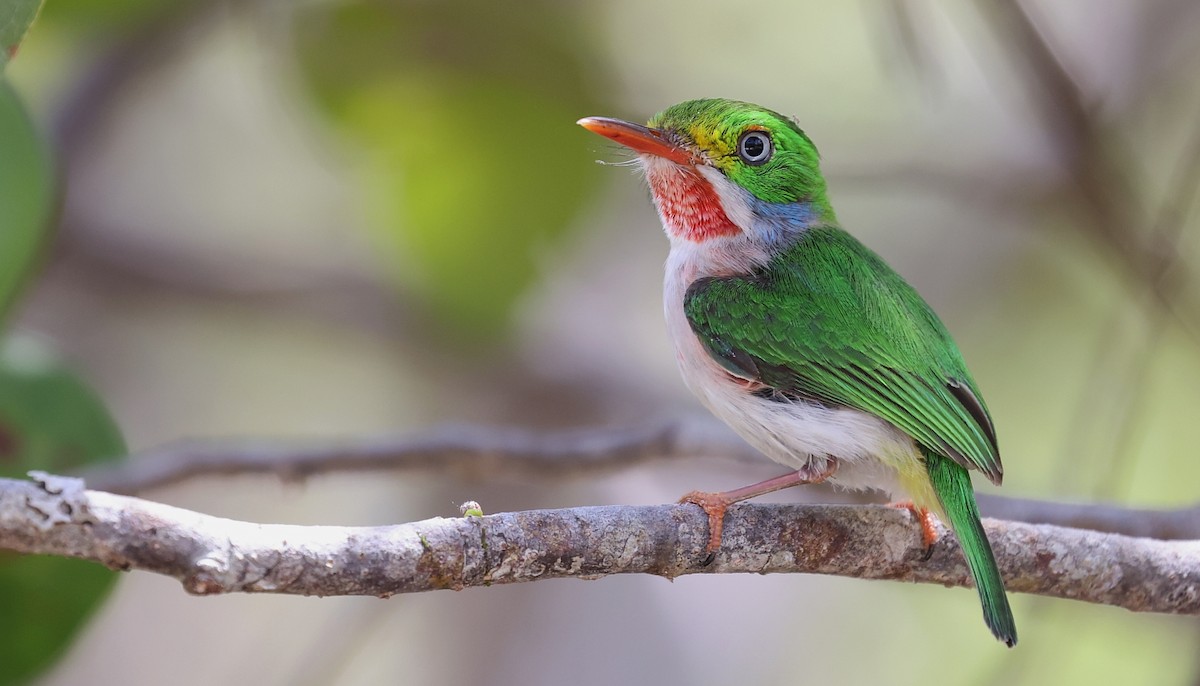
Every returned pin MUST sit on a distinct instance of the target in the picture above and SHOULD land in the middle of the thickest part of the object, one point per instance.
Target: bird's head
(726, 170)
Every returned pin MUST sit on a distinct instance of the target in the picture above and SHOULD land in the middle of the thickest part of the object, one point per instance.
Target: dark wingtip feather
(962, 392)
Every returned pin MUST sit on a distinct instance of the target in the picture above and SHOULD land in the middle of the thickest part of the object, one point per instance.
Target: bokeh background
(323, 219)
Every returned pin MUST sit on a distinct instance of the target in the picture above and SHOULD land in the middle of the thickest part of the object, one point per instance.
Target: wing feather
(828, 319)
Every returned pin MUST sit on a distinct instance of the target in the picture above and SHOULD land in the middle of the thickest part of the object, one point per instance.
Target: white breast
(868, 449)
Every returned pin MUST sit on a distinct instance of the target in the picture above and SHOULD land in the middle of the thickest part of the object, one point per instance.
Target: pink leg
(715, 504)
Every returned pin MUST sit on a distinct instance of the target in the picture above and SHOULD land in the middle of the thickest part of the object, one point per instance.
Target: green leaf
(107, 19)
(49, 420)
(465, 113)
(16, 16)
(25, 195)
(44, 602)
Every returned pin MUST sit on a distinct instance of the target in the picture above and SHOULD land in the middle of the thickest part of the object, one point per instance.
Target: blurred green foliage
(465, 110)
(103, 17)
(16, 16)
(25, 180)
(44, 602)
(50, 421)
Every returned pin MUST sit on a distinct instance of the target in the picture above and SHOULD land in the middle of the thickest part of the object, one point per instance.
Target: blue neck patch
(779, 224)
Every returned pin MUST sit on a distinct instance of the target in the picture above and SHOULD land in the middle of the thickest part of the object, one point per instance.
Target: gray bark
(211, 555)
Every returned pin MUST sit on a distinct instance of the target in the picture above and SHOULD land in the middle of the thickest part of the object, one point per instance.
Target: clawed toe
(714, 505)
(929, 532)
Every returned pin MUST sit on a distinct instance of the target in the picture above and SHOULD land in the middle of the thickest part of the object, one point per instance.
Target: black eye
(754, 147)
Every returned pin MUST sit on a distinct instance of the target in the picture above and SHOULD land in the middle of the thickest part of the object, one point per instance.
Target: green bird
(800, 337)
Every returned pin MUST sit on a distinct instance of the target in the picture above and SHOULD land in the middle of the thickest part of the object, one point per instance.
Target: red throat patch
(689, 206)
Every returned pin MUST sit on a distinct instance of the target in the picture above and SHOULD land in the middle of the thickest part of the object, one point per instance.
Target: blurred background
(312, 220)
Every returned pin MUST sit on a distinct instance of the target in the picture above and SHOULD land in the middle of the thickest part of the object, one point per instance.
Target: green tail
(952, 484)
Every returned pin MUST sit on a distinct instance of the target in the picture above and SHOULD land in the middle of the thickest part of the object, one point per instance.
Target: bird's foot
(929, 532)
(714, 505)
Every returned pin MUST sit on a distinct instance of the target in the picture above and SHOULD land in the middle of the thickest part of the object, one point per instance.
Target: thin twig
(464, 450)
(1168, 525)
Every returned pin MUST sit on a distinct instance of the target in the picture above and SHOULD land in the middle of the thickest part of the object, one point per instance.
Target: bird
(801, 338)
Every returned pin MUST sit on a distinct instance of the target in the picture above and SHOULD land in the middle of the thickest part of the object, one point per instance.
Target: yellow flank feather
(914, 478)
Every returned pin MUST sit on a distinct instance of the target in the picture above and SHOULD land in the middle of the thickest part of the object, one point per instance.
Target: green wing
(828, 320)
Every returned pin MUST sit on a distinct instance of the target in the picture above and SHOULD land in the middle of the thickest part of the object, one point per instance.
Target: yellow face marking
(720, 145)
(717, 147)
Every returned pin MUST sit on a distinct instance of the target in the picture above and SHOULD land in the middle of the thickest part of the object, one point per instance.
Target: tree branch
(1182, 524)
(473, 451)
(210, 555)
(485, 452)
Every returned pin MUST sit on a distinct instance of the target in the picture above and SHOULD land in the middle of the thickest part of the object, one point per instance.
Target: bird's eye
(754, 147)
